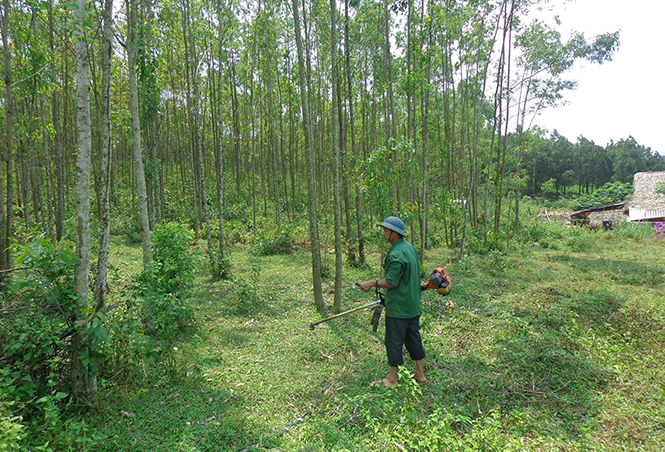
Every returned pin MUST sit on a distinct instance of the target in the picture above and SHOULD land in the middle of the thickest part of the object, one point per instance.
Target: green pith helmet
(394, 224)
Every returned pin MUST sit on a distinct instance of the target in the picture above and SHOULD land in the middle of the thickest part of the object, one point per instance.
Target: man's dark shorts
(403, 333)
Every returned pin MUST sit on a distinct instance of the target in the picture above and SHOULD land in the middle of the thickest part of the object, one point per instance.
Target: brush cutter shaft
(368, 305)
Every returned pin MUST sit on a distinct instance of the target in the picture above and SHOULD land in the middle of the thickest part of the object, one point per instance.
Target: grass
(545, 349)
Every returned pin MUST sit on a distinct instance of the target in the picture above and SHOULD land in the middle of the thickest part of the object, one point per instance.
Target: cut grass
(545, 349)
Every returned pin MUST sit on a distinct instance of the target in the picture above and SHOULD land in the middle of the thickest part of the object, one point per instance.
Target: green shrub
(220, 266)
(37, 349)
(274, 242)
(128, 227)
(236, 231)
(12, 431)
(245, 300)
(476, 240)
(35, 342)
(548, 234)
(608, 193)
(581, 240)
(173, 264)
(627, 230)
(164, 287)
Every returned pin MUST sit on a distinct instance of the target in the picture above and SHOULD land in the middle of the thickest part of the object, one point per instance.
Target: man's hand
(367, 285)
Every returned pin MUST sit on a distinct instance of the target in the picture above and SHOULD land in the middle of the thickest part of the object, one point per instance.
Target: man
(402, 284)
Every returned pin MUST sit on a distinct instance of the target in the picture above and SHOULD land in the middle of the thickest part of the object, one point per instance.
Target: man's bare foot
(420, 379)
(383, 383)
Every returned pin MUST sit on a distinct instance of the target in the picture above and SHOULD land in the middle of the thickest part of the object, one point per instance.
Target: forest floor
(537, 349)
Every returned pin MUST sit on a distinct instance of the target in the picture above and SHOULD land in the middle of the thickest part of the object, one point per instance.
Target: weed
(581, 241)
(244, 300)
(274, 242)
(544, 349)
(220, 265)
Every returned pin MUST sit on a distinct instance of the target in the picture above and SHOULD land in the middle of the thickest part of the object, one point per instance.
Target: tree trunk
(48, 170)
(105, 161)
(425, 131)
(57, 146)
(271, 137)
(5, 198)
(219, 159)
(336, 165)
(83, 158)
(311, 182)
(136, 135)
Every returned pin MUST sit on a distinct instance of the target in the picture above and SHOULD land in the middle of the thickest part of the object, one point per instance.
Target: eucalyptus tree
(149, 102)
(336, 153)
(311, 182)
(194, 113)
(427, 41)
(57, 140)
(354, 144)
(139, 174)
(106, 157)
(80, 375)
(219, 268)
(5, 195)
(266, 22)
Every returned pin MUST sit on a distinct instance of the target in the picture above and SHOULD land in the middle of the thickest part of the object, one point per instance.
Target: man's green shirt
(402, 270)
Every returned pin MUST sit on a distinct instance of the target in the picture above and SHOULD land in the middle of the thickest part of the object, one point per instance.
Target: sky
(621, 98)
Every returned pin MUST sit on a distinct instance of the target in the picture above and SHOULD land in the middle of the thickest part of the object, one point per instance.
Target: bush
(220, 266)
(128, 227)
(245, 301)
(11, 432)
(581, 240)
(608, 193)
(164, 286)
(173, 263)
(476, 241)
(35, 340)
(37, 349)
(274, 242)
(548, 234)
(634, 230)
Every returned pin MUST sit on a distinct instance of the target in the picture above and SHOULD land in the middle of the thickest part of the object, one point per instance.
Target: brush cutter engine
(439, 280)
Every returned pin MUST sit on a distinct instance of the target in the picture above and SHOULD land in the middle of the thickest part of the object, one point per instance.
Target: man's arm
(380, 283)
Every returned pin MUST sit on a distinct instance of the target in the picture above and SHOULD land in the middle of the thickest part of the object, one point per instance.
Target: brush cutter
(376, 315)
(439, 281)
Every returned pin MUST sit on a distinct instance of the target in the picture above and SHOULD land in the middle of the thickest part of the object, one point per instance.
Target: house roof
(611, 206)
(646, 204)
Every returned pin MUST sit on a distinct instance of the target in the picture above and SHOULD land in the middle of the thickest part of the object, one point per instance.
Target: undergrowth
(549, 346)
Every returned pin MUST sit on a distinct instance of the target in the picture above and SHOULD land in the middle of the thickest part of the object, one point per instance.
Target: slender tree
(139, 175)
(83, 161)
(106, 157)
(311, 182)
(5, 195)
(336, 156)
